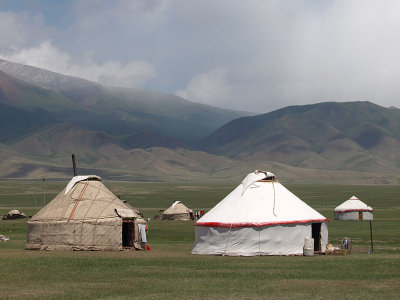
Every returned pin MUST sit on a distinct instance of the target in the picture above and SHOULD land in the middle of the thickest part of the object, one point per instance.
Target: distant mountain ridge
(351, 135)
(91, 105)
(44, 78)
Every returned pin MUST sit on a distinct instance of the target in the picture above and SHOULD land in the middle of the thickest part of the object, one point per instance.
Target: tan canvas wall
(76, 235)
(179, 216)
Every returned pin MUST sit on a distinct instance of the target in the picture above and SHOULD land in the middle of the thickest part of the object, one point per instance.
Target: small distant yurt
(14, 214)
(353, 209)
(177, 211)
(86, 216)
(260, 217)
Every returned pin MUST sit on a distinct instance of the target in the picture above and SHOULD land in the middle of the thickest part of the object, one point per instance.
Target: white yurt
(353, 209)
(86, 216)
(260, 217)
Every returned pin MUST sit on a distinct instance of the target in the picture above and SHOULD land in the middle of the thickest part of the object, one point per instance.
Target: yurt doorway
(316, 235)
(128, 233)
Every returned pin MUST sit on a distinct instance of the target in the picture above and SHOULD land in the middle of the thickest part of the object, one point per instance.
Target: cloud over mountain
(261, 54)
(47, 56)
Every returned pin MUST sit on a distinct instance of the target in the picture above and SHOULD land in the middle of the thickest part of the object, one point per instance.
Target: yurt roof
(84, 198)
(353, 204)
(76, 179)
(16, 212)
(260, 200)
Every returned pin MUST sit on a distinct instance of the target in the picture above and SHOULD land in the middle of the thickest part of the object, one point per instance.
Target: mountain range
(134, 134)
(358, 136)
(45, 97)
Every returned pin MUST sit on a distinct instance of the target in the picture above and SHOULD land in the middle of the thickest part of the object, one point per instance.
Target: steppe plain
(169, 270)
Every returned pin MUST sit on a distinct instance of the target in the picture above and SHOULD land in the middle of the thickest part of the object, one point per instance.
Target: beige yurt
(86, 216)
(14, 214)
(177, 211)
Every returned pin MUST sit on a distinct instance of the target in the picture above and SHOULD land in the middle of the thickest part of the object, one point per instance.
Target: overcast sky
(253, 55)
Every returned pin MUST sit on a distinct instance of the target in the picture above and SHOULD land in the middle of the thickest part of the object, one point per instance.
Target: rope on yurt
(227, 242)
(273, 208)
(77, 201)
(87, 211)
(94, 231)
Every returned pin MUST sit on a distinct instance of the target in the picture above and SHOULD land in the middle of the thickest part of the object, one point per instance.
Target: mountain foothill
(135, 134)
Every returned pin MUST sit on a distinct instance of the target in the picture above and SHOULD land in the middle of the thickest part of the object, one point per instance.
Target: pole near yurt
(34, 195)
(44, 192)
(74, 165)
(370, 230)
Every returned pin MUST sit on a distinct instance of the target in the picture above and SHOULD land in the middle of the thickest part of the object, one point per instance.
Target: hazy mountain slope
(54, 145)
(126, 111)
(355, 135)
(15, 122)
(169, 106)
(63, 139)
(23, 95)
(182, 165)
(27, 107)
(147, 139)
(6, 152)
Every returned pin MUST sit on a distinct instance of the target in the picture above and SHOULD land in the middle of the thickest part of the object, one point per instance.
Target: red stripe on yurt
(348, 210)
(253, 224)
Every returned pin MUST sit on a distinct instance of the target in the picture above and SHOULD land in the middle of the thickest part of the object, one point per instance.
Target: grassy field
(170, 271)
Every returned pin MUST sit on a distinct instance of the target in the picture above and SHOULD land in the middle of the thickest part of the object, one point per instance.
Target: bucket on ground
(308, 249)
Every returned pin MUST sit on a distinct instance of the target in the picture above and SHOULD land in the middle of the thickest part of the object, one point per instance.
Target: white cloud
(281, 53)
(209, 88)
(21, 29)
(218, 87)
(253, 55)
(132, 74)
(47, 56)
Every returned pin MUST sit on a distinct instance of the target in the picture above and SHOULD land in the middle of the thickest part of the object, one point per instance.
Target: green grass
(170, 271)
